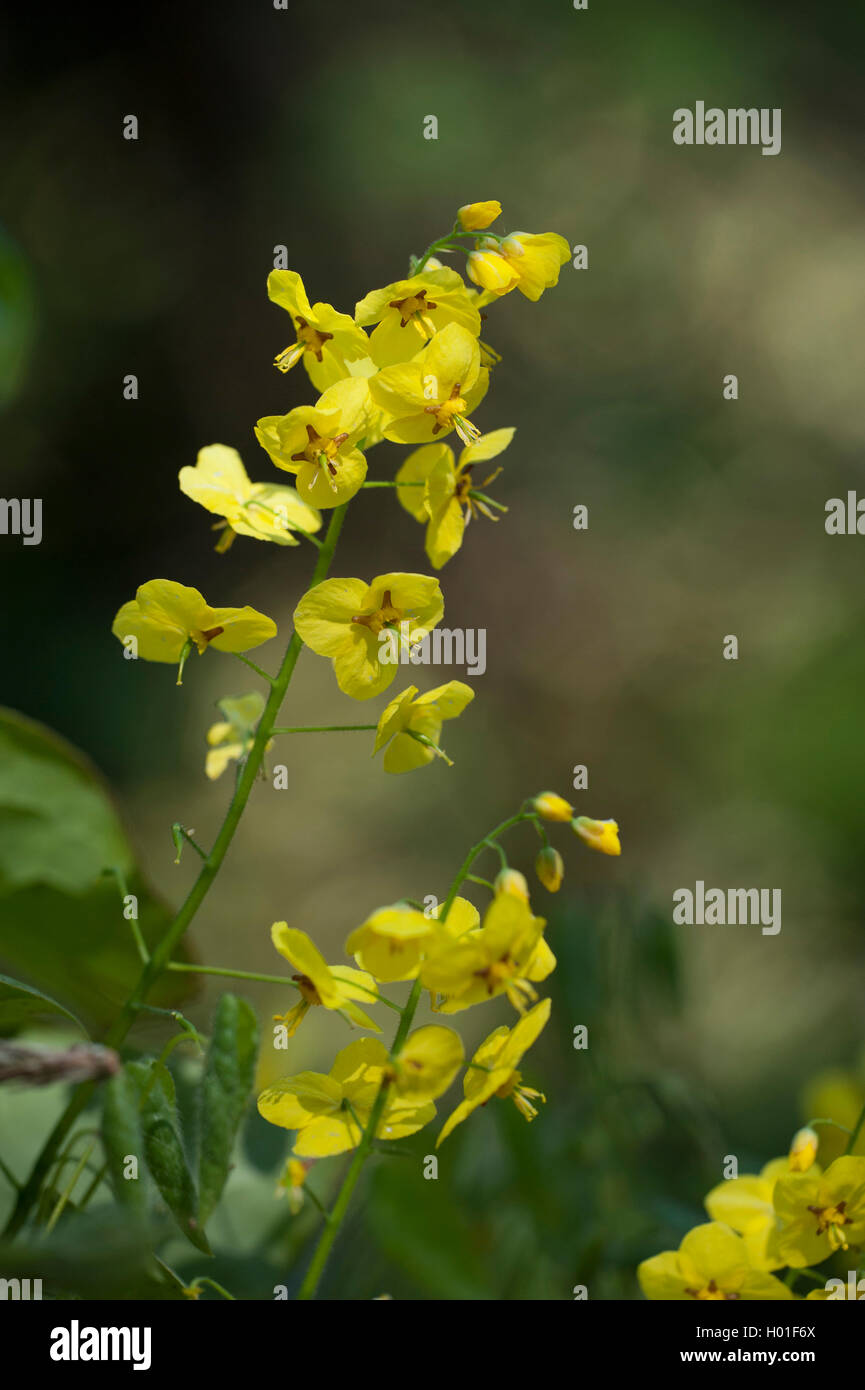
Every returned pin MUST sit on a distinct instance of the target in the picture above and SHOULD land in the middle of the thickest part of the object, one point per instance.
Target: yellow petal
(428, 1062)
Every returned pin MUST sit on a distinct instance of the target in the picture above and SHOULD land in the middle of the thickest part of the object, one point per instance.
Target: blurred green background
(260, 127)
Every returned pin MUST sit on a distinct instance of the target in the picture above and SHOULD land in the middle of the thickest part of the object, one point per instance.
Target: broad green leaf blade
(19, 1003)
(165, 1156)
(62, 919)
(225, 1089)
(58, 826)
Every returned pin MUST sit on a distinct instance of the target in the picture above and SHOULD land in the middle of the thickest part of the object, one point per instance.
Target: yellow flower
(445, 501)
(428, 1062)
(291, 1183)
(410, 312)
(462, 918)
(344, 619)
(493, 1070)
(333, 986)
(167, 619)
(513, 882)
(712, 1263)
(319, 442)
(505, 956)
(411, 725)
(265, 511)
(495, 275)
(745, 1203)
(550, 806)
(550, 868)
(803, 1150)
(329, 1112)
(435, 392)
(331, 344)
(524, 261)
(602, 835)
(474, 217)
(232, 737)
(391, 943)
(821, 1213)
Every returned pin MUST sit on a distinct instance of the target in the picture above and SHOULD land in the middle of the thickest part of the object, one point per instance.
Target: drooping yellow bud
(803, 1150)
(291, 1183)
(602, 835)
(475, 216)
(550, 806)
(491, 271)
(550, 868)
(514, 883)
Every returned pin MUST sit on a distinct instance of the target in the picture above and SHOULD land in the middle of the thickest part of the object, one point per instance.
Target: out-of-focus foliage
(63, 857)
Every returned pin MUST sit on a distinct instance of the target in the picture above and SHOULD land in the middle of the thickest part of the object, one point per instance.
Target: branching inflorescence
(408, 367)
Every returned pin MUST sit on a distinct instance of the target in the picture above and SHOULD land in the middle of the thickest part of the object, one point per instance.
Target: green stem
(337, 1215)
(834, 1124)
(231, 974)
(69, 1189)
(168, 943)
(252, 666)
(98, 1177)
(374, 995)
(857, 1129)
(179, 833)
(120, 879)
(211, 1283)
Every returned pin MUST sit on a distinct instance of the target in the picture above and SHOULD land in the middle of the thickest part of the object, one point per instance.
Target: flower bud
(474, 217)
(490, 271)
(550, 868)
(549, 806)
(602, 835)
(803, 1150)
(513, 882)
(291, 1183)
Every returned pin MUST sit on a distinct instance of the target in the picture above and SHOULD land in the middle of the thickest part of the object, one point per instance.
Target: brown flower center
(445, 411)
(382, 617)
(311, 339)
(411, 305)
(320, 449)
(307, 989)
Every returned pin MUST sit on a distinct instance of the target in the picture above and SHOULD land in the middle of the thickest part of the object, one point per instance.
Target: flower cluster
(409, 367)
(462, 959)
(791, 1214)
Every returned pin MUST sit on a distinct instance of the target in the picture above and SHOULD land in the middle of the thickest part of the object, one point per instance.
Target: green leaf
(59, 834)
(225, 1088)
(164, 1152)
(19, 1003)
(122, 1135)
(57, 825)
(428, 1237)
(99, 1254)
